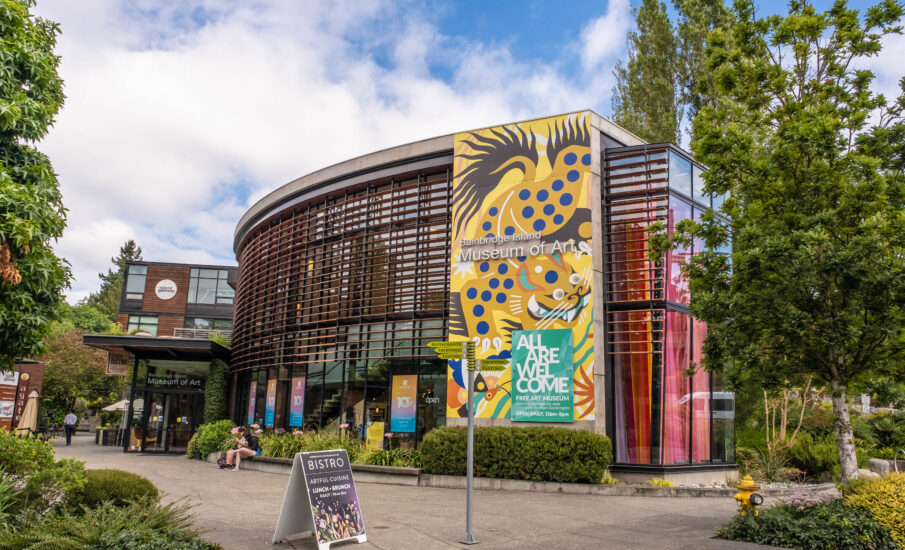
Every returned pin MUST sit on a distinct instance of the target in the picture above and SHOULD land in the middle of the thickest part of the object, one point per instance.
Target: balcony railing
(201, 333)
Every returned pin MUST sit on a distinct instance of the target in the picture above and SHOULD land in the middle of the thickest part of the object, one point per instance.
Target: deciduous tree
(31, 207)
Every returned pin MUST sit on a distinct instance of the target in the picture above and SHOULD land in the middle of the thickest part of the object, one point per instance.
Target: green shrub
(884, 499)
(659, 482)
(288, 445)
(822, 526)
(145, 524)
(888, 430)
(117, 486)
(209, 438)
(534, 453)
(408, 458)
(819, 457)
(40, 480)
(216, 392)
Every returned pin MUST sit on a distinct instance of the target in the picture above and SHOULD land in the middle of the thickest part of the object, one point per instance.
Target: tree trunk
(845, 442)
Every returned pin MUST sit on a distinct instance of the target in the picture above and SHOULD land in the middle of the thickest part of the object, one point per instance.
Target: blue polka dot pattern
(586, 159)
(549, 209)
(486, 295)
(565, 199)
(478, 310)
(572, 175)
(484, 266)
(542, 195)
(487, 226)
(539, 225)
(508, 283)
(550, 276)
(524, 194)
(503, 268)
(472, 293)
(494, 283)
(489, 235)
(493, 211)
(557, 185)
(570, 158)
(483, 327)
(527, 211)
(558, 219)
(509, 230)
(501, 298)
(522, 258)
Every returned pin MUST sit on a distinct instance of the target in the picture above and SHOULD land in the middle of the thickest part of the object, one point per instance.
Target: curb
(394, 475)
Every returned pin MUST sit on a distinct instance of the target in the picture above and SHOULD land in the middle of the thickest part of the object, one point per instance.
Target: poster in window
(252, 401)
(297, 403)
(270, 403)
(402, 410)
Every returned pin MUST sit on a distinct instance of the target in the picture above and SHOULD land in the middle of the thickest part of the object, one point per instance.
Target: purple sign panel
(252, 398)
(334, 502)
(297, 403)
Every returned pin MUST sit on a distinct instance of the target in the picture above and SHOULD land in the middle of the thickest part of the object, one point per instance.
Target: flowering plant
(254, 426)
(344, 426)
(806, 500)
(259, 431)
(388, 434)
(235, 430)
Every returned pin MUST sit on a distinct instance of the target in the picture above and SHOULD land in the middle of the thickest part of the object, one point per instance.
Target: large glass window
(147, 323)
(676, 398)
(201, 323)
(679, 174)
(135, 282)
(209, 286)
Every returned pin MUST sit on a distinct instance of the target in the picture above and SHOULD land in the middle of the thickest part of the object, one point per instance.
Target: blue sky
(181, 114)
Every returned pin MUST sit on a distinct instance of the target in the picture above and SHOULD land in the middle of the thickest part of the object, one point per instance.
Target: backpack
(221, 462)
(253, 442)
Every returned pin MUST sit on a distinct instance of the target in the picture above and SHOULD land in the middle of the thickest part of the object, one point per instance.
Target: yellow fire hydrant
(747, 496)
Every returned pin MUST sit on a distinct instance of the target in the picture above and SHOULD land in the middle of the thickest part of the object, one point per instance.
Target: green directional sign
(454, 351)
(493, 364)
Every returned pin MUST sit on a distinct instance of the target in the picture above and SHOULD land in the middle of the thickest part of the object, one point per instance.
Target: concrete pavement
(240, 510)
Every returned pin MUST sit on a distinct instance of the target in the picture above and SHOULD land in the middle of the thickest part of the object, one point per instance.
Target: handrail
(895, 463)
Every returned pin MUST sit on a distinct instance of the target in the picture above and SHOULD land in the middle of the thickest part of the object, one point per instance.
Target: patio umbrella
(118, 406)
(29, 421)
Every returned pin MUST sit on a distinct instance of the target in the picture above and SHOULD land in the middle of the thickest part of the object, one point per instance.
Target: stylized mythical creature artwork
(515, 181)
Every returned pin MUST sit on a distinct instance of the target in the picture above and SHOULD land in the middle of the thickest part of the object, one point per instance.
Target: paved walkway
(240, 510)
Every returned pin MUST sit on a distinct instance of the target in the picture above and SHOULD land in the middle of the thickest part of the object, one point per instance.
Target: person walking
(69, 426)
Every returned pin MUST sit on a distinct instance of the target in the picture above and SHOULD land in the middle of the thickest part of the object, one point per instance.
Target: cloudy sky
(180, 115)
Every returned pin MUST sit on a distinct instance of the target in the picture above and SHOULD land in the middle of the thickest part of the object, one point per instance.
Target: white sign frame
(162, 289)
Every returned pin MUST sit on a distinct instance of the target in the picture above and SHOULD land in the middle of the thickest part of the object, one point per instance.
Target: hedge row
(535, 453)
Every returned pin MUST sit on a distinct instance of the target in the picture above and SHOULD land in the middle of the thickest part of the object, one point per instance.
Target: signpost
(464, 351)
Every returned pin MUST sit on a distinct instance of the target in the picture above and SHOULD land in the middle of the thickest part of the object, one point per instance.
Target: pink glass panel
(677, 284)
(700, 411)
(676, 389)
(633, 361)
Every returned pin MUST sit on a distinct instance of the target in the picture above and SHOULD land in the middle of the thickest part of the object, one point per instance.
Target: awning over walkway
(155, 347)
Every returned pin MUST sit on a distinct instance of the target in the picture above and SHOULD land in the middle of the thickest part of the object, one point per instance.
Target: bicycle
(54, 431)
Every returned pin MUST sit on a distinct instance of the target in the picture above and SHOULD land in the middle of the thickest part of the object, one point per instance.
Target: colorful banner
(404, 399)
(521, 252)
(270, 403)
(374, 436)
(9, 382)
(297, 402)
(252, 401)
(542, 376)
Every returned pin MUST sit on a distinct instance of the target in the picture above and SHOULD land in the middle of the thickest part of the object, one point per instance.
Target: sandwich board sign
(321, 498)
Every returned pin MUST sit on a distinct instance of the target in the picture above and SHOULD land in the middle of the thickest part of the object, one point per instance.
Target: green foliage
(884, 499)
(74, 370)
(40, 480)
(117, 486)
(818, 527)
(208, 439)
(608, 479)
(659, 482)
(535, 453)
(815, 286)
(763, 465)
(408, 458)
(31, 206)
(145, 524)
(288, 445)
(106, 300)
(216, 392)
(645, 98)
(887, 430)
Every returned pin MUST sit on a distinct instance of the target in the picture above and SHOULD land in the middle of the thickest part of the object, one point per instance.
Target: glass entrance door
(155, 433)
(170, 420)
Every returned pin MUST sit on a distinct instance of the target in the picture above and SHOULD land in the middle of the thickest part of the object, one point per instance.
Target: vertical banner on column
(252, 401)
(521, 252)
(270, 403)
(297, 402)
(402, 411)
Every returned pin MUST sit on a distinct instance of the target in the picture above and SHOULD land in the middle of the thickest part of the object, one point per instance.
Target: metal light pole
(468, 357)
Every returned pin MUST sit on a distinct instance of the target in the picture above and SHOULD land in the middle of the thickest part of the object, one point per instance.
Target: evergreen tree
(31, 207)
(815, 287)
(646, 95)
(696, 19)
(106, 300)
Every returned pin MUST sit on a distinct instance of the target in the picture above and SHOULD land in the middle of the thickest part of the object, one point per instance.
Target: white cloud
(180, 115)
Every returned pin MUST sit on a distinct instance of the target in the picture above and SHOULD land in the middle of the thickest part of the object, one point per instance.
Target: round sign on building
(165, 289)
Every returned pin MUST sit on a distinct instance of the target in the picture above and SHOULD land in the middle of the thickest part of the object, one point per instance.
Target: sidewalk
(240, 510)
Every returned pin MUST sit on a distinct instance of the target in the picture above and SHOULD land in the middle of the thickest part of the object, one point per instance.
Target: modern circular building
(528, 239)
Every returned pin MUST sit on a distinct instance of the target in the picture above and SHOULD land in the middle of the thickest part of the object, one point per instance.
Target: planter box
(105, 437)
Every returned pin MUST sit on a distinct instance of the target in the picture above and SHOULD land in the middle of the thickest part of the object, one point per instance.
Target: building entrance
(169, 420)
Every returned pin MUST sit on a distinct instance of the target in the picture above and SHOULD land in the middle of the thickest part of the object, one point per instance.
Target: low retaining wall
(393, 475)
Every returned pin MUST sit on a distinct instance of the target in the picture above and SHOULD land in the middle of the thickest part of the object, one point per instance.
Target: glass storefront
(167, 405)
